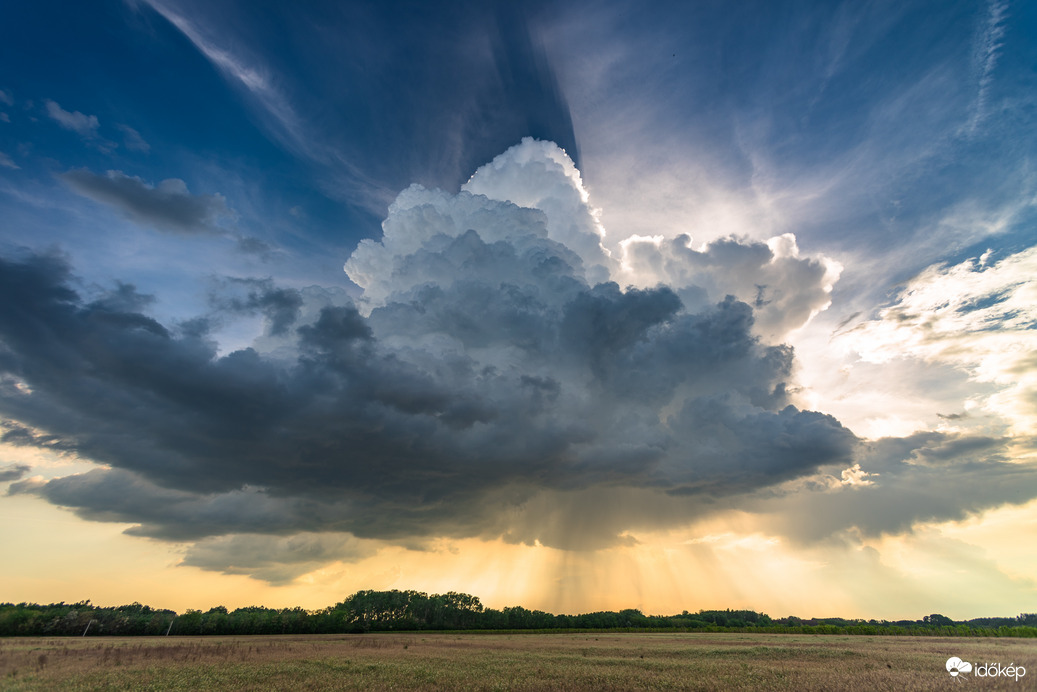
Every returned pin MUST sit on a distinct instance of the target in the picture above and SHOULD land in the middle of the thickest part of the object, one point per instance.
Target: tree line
(380, 611)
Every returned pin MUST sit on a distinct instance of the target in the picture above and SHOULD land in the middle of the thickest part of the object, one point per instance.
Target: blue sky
(898, 111)
(818, 224)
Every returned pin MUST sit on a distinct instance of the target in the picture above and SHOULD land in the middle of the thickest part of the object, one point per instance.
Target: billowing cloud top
(490, 364)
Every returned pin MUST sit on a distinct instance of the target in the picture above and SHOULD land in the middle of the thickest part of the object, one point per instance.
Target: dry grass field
(444, 661)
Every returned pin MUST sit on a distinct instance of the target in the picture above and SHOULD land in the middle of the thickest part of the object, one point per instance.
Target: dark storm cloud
(13, 472)
(168, 206)
(925, 477)
(20, 436)
(948, 449)
(280, 307)
(390, 442)
(482, 378)
(275, 560)
(122, 496)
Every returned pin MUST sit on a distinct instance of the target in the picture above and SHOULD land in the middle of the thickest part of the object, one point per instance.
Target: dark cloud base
(925, 477)
(353, 435)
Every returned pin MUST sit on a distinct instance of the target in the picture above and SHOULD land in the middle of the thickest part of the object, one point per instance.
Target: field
(569, 661)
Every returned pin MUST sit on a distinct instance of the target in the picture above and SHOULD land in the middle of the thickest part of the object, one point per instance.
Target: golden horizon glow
(723, 562)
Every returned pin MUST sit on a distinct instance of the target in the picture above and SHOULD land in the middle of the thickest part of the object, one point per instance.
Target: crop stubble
(555, 661)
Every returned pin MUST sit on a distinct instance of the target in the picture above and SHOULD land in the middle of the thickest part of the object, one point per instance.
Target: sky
(575, 306)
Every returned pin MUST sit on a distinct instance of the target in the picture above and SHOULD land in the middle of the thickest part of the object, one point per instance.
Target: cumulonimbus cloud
(490, 376)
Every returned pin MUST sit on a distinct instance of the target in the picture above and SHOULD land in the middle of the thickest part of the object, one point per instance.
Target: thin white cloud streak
(282, 120)
(251, 78)
(906, 132)
(973, 220)
(908, 365)
(254, 79)
(6, 161)
(987, 52)
(874, 273)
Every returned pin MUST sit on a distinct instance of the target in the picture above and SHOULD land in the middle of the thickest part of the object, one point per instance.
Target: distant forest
(379, 611)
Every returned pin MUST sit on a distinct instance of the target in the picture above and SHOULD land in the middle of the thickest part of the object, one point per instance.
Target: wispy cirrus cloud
(274, 106)
(976, 316)
(495, 85)
(248, 74)
(987, 51)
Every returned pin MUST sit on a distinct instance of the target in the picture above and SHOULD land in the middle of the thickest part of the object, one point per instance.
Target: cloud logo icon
(955, 665)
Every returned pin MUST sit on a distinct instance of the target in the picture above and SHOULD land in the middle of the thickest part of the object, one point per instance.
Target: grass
(447, 661)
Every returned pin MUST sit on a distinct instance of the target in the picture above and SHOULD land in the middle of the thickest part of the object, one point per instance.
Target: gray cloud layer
(276, 560)
(927, 476)
(168, 206)
(13, 472)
